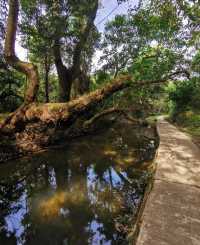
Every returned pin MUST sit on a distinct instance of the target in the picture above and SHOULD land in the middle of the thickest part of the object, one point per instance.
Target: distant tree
(127, 35)
(120, 46)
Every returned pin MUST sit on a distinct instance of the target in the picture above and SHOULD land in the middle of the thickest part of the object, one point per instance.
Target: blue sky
(107, 7)
(111, 5)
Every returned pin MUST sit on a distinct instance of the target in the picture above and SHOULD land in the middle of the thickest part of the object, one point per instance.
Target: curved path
(172, 212)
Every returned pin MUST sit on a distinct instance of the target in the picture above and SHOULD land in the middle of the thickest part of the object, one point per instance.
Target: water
(84, 193)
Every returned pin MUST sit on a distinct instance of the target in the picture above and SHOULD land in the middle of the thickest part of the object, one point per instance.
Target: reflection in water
(87, 193)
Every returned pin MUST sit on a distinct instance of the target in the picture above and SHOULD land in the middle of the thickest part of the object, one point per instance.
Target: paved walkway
(172, 212)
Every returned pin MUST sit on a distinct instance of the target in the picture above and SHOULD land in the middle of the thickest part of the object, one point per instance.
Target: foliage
(185, 95)
(153, 26)
(53, 89)
(11, 93)
(44, 22)
(150, 42)
(196, 63)
(189, 121)
(120, 46)
(153, 63)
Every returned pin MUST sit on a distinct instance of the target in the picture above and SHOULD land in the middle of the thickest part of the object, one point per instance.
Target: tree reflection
(79, 195)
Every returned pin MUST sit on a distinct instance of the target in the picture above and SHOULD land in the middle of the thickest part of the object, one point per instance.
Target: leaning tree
(52, 117)
(63, 111)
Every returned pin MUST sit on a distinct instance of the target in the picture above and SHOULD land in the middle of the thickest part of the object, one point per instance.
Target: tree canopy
(153, 43)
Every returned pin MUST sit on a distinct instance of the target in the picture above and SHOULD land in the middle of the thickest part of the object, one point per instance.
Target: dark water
(85, 193)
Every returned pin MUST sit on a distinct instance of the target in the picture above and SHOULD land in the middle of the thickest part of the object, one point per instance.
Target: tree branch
(67, 113)
(84, 37)
(108, 111)
(28, 69)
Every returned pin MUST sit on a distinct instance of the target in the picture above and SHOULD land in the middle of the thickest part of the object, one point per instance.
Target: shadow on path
(172, 212)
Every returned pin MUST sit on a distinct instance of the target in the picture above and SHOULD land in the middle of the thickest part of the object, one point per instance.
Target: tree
(72, 110)
(127, 35)
(3, 14)
(120, 45)
(67, 29)
(68, 75)
(28, 69)
(66, 116)
(40, 54)
(10, 81)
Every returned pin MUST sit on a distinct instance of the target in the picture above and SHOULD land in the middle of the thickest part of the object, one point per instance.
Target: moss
(54, 107)
(3, 116)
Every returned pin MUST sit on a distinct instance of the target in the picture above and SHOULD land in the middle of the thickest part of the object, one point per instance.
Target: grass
(189, 122)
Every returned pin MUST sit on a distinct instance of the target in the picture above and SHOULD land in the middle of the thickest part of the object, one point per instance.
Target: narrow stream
(84, 193)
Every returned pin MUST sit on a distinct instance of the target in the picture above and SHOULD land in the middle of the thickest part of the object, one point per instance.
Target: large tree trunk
(47, 69)
(68, 76)
(67, 113)
(46, 124)
(84, 37)
(65, 76)
(81, 80)
(80, 86)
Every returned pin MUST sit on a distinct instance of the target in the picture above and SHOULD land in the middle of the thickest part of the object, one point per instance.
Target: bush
(185, 96)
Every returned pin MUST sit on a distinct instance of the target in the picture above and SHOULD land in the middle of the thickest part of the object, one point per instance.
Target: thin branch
(108, 111)
(84, 37)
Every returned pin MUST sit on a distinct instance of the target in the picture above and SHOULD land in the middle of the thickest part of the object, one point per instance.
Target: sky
(108, 10)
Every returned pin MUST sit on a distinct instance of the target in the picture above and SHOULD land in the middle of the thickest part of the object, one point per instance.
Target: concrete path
(172, 213)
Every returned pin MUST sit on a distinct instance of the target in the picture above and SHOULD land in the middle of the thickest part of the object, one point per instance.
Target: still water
(87, 192)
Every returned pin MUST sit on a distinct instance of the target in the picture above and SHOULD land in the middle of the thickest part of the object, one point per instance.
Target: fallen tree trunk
(48, 124)
(69, 112)
(65, 113)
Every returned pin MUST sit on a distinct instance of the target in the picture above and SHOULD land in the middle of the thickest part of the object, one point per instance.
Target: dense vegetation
(90, 190)
(150, 55)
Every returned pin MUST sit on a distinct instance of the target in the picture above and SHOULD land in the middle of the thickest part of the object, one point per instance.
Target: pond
(87, 192)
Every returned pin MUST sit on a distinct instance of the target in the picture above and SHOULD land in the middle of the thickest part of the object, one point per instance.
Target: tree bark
(47, 69)
(67, 113)
(84, 37)
(29, 69)
(64, 74)
(81, 80)
(80, 86)
(74, 74)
